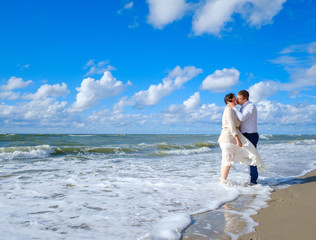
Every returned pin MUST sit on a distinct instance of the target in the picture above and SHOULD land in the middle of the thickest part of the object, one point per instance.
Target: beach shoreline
(290, 214)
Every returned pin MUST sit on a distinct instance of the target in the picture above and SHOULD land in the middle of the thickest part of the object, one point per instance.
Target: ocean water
(121, 187)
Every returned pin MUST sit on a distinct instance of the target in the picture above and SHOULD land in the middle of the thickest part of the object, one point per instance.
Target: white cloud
(7, 112)
(124, 102)
(196, 115)
(211, 16)
(92, 91)
(175, 79)
(15, 83)
(310, 48)
(193, 111)
(36, 114)
(282, 114)
(260, 12)
(44, 109)
(215, 14)
(193, 102)
(286, 60)
(134, 24)
(221, 80)
(305, 77)
(299, 61)
(46, 91)
(163, 12)
(9, 95)
(262, 90)
(127, 6)
(117, 119)
(97, 68)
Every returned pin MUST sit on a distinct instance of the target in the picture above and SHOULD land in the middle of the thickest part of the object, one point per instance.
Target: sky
(155, 66)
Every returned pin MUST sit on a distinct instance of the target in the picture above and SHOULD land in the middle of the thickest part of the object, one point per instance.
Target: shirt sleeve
(232, 122)
(238, 113)
(247, 112)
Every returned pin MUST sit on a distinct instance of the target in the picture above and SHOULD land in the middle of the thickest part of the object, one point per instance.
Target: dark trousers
(253, 138)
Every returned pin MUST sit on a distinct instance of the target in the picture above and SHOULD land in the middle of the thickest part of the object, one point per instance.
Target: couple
(239, 136)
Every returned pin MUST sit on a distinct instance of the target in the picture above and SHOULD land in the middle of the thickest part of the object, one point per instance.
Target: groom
(248, 118)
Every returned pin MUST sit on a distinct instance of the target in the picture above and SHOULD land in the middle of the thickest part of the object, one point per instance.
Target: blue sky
(155, 66)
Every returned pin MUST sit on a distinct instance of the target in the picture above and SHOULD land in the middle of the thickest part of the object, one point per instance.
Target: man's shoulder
(249, 103)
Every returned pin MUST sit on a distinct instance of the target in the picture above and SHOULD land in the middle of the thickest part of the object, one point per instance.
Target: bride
(235, 147)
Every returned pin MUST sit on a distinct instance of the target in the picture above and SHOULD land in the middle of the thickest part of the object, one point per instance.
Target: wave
(104, 150)
(45, 151)
(19, 153)
(171, 146)
(305, 142)
(185, 149)
(265, 136)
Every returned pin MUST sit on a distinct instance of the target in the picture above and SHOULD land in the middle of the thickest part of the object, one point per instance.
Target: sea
(132, 187)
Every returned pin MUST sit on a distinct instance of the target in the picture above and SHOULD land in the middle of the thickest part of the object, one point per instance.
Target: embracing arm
(242, 116)
(232, 126)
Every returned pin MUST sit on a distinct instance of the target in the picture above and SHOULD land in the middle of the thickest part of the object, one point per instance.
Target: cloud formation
(262, 90)
(46, 91)
(300, 62)
(192, 111)
(221, 80)
(42, 110)
(127, 6)
(9, 95)
(153, 95)
(15, 83)
(284, 114)
(211, 16)
(92, 91)
(97, 68)
(36, 114)
(163, 12)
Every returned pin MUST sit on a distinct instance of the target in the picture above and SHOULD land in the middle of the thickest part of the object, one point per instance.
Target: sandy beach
(291, 215)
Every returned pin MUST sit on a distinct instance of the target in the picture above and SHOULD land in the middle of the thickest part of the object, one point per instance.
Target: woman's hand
(239, 143)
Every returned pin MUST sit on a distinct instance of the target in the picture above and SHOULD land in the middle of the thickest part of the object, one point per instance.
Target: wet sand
(219, 223)
(291, 215)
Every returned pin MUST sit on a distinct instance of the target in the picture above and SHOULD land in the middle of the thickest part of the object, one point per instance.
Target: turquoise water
(128, 186)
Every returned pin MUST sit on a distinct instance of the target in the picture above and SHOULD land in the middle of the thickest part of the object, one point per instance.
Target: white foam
(124, 197)
(186, 151)
(16, 153)
(170, 227)
(265, 136)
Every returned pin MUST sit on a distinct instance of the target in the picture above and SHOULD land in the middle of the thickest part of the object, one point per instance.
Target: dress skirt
(247, 154)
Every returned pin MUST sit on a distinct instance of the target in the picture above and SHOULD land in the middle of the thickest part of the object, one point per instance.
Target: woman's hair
(229, 98)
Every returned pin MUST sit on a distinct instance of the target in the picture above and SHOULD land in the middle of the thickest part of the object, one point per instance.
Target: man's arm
(242, 116)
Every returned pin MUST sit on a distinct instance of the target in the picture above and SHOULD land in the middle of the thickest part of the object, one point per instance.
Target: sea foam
(88, 192)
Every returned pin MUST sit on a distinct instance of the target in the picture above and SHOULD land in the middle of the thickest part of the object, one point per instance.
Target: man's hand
(231, 104)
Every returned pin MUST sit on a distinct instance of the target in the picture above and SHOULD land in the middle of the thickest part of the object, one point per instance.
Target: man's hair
(244, 94)
(229, 97)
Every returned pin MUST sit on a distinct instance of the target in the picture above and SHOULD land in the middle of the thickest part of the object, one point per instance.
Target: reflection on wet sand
(223, 223)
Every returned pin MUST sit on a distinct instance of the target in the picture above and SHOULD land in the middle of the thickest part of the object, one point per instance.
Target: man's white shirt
(248, 117)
